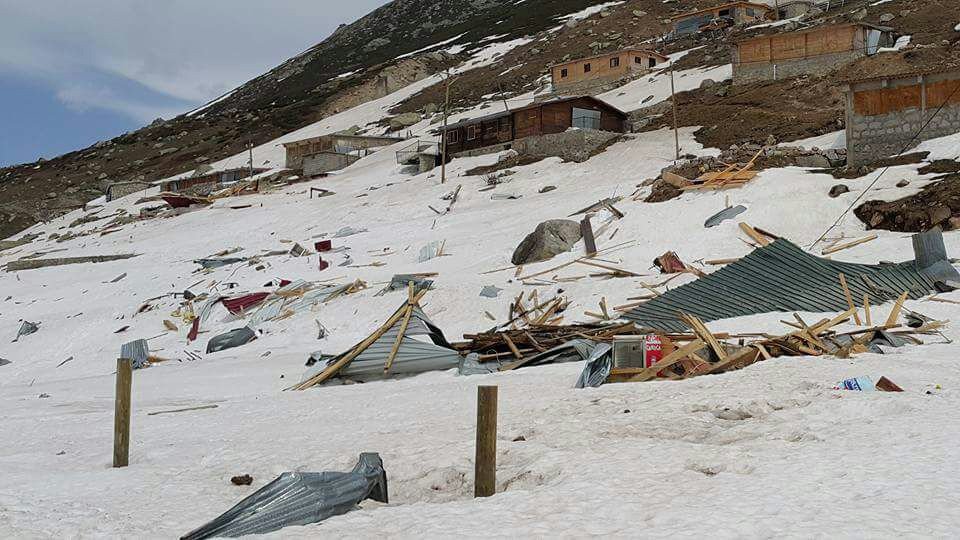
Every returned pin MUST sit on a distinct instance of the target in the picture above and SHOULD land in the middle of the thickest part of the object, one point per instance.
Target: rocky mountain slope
(408, 40)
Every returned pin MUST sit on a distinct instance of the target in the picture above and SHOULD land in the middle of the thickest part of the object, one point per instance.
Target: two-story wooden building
(594, 71)
(497, 131)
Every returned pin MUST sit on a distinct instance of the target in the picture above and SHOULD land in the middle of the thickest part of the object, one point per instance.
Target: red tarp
(239, 304)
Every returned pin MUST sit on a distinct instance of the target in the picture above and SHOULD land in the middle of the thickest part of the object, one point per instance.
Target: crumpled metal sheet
(349, 231)
(724, 215)
(138, 352)
(598, 367)
(217, 263)
(231, 339)
(300, 499)
(778, 278)
(490, 291)
(26, 328)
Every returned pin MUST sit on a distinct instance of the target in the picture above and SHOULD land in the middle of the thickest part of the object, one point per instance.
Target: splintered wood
(734, 176)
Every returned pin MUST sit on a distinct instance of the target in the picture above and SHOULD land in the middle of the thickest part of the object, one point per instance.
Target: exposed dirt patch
(937, 204)
(863, 170)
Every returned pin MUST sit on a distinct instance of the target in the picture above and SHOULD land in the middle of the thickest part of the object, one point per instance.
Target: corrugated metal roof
(780, 277)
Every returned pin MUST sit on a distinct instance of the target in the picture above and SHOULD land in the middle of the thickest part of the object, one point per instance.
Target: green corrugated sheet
(780, 277)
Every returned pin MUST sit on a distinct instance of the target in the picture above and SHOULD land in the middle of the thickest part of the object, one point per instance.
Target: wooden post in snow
(589, 242)
(485, 465)
(121, 413)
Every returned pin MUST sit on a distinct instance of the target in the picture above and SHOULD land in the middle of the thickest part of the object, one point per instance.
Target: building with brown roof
(594, 73)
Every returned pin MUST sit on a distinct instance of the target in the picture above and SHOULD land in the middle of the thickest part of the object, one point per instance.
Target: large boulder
(403, 121)
(550, 238)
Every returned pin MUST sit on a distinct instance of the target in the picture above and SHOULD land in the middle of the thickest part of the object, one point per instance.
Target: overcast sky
(73, 72)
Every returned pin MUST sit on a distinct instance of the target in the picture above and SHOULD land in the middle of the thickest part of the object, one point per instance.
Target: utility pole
(673, 98)
(443, 152)
(506, 108)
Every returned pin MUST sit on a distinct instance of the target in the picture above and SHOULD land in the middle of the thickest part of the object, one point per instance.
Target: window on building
(651, 62)
(563, 73)
(473, 132)
(586, 119)
(724, 12)
(751, 12)
(615, 62)
(453, 137)
(586, 68)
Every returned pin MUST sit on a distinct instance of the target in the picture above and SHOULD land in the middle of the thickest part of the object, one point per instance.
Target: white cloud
(179, 50)
(84, 97)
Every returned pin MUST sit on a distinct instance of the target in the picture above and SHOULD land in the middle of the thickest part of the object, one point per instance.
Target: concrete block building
(814, 51)
(885, 113)
(596, 74)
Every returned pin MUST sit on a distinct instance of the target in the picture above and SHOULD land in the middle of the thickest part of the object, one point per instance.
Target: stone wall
(874, 137)
(122, 189)
(325, 162)
(572, 145)
(751, 72)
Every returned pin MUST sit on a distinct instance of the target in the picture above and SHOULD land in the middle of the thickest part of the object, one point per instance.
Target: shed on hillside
(327, 148)
(813, 51)
(554, 116)
(205, 183)
(886, 114)
(734, 12)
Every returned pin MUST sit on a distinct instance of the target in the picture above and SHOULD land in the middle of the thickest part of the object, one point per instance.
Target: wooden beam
(841, 247)
(866, 309)
(849, 297)
(668, 361)
(754, 235)
(895, 312)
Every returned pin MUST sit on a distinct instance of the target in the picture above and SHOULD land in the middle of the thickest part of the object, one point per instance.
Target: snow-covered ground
(769, 451)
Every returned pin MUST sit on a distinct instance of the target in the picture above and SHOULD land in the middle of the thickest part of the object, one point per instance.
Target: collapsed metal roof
(300, 498)
(781, 277)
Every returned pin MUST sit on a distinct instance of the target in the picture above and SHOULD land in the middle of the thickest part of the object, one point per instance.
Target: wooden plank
(866, 309)
(847, 245)
(754, 235)
(849, 297)
(589, 242)
(396, 344)
(895, 312)
(704, 334)
(512, 346)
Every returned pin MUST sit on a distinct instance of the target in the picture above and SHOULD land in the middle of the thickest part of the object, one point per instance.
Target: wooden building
(814, 51)
(886, 115)
(733, 12)
(548, 117)
(604, 68)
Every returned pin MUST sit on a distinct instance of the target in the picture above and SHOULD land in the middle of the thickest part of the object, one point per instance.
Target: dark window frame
(615, 62)
(453, 136)
(587, 67)
(564, 73)
(473, 132)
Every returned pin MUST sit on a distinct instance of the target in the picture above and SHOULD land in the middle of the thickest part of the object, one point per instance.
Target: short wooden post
(589, 242)
(485, 467)
(121, 414)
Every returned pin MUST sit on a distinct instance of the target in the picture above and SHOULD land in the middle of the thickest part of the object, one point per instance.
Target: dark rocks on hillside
(549, 239)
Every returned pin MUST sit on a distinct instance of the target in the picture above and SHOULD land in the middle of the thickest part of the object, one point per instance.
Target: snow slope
(770, 451)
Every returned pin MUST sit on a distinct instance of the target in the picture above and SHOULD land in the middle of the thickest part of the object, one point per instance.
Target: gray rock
(838, 190)
(404, 120)
(903, 183)
(708, 83)
(549, 239)
(639, 13)
(431, 108)
(771, 140)
(887, 17)
(52, 195)
(814, 161)
(168, 151)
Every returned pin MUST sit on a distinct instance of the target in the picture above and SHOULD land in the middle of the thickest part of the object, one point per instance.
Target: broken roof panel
(780, 277)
